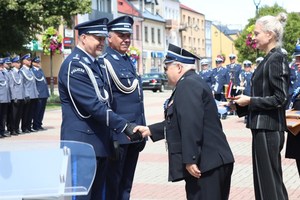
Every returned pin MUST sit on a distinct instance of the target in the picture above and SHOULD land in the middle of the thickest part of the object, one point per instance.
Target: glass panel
(45, 168)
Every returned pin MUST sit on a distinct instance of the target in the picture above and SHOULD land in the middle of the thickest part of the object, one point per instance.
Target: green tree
(22, 20)
(291, 33)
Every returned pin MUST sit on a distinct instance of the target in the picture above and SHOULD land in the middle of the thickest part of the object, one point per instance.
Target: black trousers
(38, 113)
(212, 185)
(267, 170)
(3, 116)
(27, 114)
(16, 114)
(120, 172)
(298, 165)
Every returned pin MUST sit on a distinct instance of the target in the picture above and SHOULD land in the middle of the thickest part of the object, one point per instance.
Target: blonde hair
(274, 24)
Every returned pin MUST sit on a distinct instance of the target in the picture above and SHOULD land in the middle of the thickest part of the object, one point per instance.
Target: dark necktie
(98, 67)
(124, 57)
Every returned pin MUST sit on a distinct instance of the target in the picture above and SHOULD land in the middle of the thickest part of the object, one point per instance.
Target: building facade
(156, 24)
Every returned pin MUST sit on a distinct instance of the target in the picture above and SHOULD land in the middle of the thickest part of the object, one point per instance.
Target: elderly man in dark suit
(198, 150)
(266, 109)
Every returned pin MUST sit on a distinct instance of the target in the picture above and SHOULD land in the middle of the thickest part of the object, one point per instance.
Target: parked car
(154, 81)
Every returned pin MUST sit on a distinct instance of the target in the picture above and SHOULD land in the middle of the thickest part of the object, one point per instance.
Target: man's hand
(144, 130)
(133, 135)
(193, 170)
(26, 99)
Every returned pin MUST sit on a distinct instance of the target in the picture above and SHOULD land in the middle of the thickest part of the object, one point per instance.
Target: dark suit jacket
(94, 129)
(193, 129)
(269, 93)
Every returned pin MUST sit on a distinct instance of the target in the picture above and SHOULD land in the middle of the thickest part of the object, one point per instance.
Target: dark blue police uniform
(220, 78)
(127, 101)
(86, 116)
(207, 76)
(245, 77)
(42, 87)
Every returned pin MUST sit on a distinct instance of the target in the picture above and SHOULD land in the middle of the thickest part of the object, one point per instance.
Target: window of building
(158, 36)
(146, 34)
(137, 32)
(152, 35)
(104, 5)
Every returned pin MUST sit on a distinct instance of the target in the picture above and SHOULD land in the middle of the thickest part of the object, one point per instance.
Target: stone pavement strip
(150, 181)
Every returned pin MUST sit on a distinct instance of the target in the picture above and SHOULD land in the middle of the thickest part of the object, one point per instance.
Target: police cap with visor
(15, 59)
(179, 54)
(95, 27)
(26, 57)
(36, 59)
(121, 24)
(297, 50)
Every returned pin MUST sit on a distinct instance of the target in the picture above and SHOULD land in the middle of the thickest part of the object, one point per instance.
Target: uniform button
(88, 131)
(194, 157)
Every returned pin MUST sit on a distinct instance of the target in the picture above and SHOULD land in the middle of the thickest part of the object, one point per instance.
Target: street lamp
(256, 3)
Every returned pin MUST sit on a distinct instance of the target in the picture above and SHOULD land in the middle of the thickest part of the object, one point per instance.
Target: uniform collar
(89, 55)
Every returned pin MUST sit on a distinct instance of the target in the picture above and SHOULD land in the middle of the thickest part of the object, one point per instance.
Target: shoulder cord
(3, 84)
(119, 85)
(93, 80)
(28, 78)
(38, 79)
(17, 82)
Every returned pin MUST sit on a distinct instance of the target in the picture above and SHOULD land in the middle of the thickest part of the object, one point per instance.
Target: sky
(235, 13)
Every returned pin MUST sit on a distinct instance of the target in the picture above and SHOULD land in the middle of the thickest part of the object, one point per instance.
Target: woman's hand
(242, 100)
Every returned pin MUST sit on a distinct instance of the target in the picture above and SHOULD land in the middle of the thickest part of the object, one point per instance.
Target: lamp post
(256, 3)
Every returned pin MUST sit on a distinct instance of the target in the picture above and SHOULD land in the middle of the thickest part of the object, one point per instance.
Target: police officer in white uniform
(4, 99)
(17, 95)
(31, 93)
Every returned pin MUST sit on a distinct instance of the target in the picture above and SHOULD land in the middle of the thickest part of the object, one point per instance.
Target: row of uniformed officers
(23, 95)
(219, 76)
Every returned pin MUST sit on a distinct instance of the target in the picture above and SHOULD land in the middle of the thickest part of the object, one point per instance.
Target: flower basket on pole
(134, 54)
(52, 44)
(250, 42)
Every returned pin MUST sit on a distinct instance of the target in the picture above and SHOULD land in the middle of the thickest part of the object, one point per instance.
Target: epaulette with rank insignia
(104, 55)
(76, 57)
(115, 56)
(86, 60)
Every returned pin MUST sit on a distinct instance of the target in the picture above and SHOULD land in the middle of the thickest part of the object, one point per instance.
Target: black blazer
(193, 129)
(269, 93)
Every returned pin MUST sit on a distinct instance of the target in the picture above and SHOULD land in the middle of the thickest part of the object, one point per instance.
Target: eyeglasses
(168, 65)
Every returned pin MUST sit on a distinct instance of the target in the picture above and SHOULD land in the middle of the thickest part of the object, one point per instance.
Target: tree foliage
(291, 34)
(22, 20)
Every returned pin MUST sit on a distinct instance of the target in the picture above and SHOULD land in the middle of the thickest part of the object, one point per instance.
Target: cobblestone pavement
(150, 181)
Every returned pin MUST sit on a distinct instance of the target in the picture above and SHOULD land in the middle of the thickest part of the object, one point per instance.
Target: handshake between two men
(135, 132)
